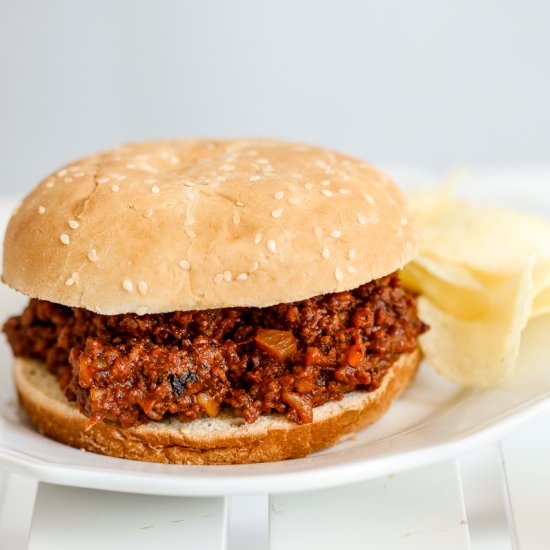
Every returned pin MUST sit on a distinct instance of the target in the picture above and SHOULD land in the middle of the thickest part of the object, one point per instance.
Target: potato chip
(477, 352)
(459, 292)
(541, 276)
(541, 304)
(482, 273)
(485, 239)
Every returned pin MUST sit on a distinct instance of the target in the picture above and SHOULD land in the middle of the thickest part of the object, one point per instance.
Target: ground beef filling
(287, 358)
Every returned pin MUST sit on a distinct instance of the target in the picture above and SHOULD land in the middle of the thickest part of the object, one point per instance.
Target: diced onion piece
(280, 344)
(96, 394)
(300, 403)
(207, 403)
(149, 409)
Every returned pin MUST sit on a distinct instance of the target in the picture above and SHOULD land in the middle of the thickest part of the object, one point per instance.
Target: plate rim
(316, 478)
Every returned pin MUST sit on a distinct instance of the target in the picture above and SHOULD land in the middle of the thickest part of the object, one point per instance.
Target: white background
(433, 83)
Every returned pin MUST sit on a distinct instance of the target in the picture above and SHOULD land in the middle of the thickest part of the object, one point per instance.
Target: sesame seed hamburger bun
(211, 301)
(196, 224)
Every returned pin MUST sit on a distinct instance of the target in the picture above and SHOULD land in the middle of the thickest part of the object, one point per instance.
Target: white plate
(434, 420)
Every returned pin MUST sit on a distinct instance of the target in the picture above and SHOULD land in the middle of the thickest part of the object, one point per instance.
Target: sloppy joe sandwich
(211, 301)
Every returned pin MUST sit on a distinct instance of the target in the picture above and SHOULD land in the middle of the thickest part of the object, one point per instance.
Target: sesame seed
(254, 267)
(351, 269)
(227, 167)
(324, 183)
(262, 161)
(218, 278)
(391, 200)
(268, 168)
(184, 264)
(121, 178)
(404, 221)
(64, 238)
(415, 236)
(41, 210)
(62, 173)
(239, 203)
(254, 178)
(236, 218)
(399, 232)
(339, 274)
(150, 180)
(272, 245)
(343, 191)
(242, 277)
(68, 180)
(294, 200)
(318, 232)
(336, 233)
(155, 189)
(92, 255)
(73, 224)
(79, 174)
(142, 287)
(227, 276)
(325, 253)
(326, 192)
(50, 184)
(70, 281)
(148, 213)
(361, 218)
(142, 310)
(344, 175)
(257, 238)
(277, 213)
(131, 166)
(368, 198)
(115, 188)
(279, 195)
(309, 186)
(127, 285)
(103, 180)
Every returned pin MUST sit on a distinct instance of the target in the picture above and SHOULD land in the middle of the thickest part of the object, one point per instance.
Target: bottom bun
(226, 439)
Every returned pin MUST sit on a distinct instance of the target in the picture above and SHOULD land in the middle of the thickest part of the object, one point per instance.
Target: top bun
(202, 224)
